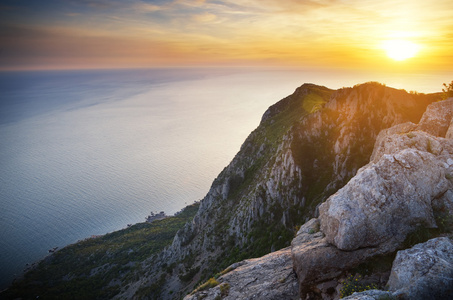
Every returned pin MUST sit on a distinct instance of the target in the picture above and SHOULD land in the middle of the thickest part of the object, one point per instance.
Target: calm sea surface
(87, 152)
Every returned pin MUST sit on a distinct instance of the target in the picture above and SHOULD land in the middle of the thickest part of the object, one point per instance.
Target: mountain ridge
(306, 147)
(398, 204)
(269, 187)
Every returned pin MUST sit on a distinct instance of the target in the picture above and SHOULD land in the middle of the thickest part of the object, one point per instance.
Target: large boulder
(316, 261)
(411, 166)
(385, 201)
(424, 271)
(437, 118)
(409, 177)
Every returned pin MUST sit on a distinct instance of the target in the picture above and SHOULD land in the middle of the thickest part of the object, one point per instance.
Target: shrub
(224, 289)
(212, 282)
(353, 284)
(448, 90)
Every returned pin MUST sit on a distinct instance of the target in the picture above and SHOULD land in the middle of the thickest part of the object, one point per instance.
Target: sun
(400, 49)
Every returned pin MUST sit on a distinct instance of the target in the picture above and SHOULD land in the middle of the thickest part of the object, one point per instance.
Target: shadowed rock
(409, 176)
(424, 271)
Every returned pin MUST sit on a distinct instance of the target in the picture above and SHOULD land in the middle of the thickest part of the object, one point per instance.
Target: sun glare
(400, 49)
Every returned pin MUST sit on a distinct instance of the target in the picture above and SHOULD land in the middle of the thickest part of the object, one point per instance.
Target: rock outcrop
(270, 277)
(307, 146)
(388, 199)
(305, 151)
(408, 178)
(424, 271)
(406, 185)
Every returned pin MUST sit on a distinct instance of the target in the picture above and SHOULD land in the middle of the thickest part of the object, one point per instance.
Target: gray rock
(384, 202)
(317, 261)
(391, 143)
(407, 177)
(409, 171)
(449, 134)
(370, 295)
(268, 277)
(282, 173)
(437, 118)
(424, 271)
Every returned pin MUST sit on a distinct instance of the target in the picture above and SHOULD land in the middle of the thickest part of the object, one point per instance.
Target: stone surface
(385, 201)
(449, 134)
(370, 295)
(297, 157)
(408, 177)
(316, 261)
(424, 271)
(268, 277)
(409, 170)
(437, 118)
(392, 143)
(444, 204)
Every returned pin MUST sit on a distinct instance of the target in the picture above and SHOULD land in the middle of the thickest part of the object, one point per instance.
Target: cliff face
(359, 167)
(404, 192)
(306, 147)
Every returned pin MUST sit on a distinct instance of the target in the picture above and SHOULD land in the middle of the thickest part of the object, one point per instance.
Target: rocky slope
(306, 147)
(405, 191)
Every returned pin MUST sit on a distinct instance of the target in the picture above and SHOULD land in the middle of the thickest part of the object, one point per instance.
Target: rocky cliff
(404, 195)
(306, 147)
(323, 158)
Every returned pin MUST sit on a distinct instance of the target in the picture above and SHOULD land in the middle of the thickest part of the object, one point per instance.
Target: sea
(86, 152)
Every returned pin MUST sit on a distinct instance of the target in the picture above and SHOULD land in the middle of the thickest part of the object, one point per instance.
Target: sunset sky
(340, 34)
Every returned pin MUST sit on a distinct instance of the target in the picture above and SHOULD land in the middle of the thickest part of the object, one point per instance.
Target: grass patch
(212, 282)
(94, 264)
(313, 102)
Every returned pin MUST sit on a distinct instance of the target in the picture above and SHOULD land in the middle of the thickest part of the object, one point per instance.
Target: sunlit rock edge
(409, 179)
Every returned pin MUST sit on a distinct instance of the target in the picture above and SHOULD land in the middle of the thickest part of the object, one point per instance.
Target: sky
(316, 34)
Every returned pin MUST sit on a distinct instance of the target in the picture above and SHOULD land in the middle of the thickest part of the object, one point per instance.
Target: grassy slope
(97, 268)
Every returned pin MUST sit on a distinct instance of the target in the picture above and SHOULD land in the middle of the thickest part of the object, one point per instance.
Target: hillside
(387, 234)
(307, 147)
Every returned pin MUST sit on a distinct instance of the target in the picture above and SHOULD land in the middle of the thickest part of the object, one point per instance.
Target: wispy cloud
(288, 32)
(204, 17)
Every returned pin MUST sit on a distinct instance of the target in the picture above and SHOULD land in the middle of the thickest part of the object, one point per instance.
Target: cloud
(204, 18)
(104, 4)
(147, 7)
(303, 32)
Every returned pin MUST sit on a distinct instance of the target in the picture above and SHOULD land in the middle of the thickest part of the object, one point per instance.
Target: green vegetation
(313, 102)
(354, 284)
(224, 289)
(422, 233)
(227, 270)
(444, 222)
(212, 282)
(377, 264)
(267, 233)
(97, 268)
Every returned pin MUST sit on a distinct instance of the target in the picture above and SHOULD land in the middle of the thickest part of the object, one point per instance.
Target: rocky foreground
(404, 195)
